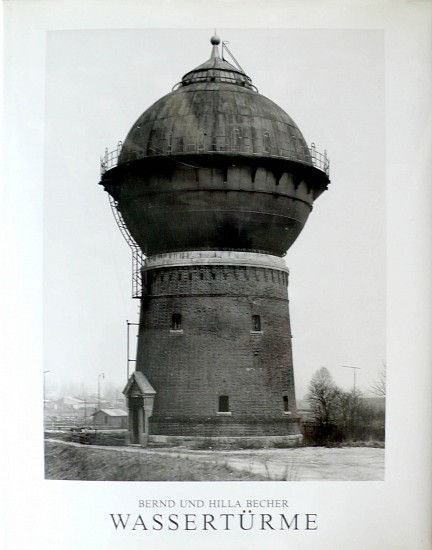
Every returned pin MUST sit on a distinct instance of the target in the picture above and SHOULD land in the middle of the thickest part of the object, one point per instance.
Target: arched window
(256, 323)
(176, 321)
(223, 403)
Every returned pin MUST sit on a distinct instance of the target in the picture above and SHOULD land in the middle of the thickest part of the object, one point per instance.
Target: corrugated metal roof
(218, 118)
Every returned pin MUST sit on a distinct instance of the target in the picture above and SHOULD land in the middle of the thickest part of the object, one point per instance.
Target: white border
(392, 514)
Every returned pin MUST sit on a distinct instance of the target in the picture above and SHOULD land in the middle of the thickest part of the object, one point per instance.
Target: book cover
(357, 83)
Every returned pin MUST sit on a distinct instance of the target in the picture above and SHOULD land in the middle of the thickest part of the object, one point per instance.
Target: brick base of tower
(215, 344)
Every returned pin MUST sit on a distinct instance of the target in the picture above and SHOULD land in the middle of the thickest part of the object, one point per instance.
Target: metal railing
(320, 160)
(234, 144)
(110, 158)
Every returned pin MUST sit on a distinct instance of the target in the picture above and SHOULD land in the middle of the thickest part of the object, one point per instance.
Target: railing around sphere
(235, 144)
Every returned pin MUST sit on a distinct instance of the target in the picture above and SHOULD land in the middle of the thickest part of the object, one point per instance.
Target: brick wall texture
(215, 351)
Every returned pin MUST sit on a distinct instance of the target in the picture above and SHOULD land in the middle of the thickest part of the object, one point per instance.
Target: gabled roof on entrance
(141, 381)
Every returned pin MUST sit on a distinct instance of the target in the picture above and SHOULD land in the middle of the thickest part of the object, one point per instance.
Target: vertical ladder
(138, 256)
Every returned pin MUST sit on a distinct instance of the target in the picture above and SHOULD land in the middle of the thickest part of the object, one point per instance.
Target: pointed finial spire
(215, 40)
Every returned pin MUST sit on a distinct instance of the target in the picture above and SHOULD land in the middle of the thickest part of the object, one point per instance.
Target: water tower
(211, 186)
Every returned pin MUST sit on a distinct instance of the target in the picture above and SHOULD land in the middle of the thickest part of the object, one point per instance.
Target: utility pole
(44, 385)
(99, 377)
(354, 371)
(354, 408)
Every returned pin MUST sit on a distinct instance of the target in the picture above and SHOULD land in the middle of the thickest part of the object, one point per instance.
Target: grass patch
(71, 462)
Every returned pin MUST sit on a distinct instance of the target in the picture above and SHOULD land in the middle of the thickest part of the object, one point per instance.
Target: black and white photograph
(210, 188)
(220, 245)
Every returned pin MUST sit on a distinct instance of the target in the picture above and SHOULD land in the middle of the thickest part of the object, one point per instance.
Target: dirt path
(296, 464)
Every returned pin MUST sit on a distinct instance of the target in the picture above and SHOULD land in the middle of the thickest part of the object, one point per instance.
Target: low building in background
(110, 418)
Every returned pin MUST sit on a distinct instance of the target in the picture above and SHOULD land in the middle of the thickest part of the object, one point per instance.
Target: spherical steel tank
(214, 165)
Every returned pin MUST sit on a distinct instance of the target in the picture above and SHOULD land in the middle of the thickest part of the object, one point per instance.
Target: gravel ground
(312, 463)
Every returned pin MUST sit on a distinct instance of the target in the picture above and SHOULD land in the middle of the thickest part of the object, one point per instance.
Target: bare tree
(350, 410)
(323, 396)
(342, 414)
(379, 385)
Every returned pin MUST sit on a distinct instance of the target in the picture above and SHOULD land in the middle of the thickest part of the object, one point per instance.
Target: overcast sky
(331, 82)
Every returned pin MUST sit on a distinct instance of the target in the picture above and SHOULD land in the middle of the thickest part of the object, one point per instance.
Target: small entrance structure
(140, 396)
